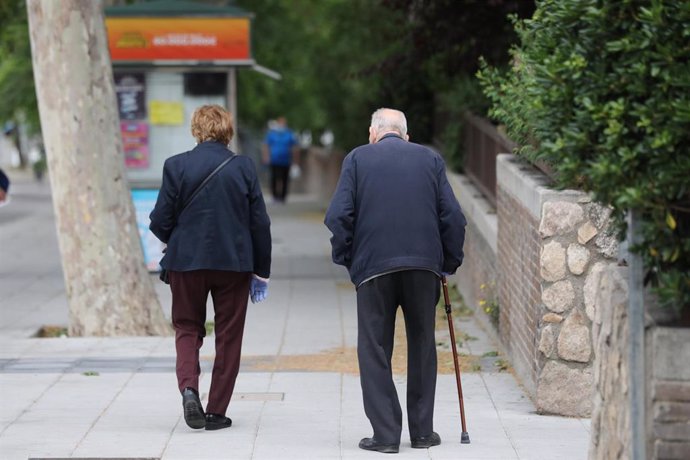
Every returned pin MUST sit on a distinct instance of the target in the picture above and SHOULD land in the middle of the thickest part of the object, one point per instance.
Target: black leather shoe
(424, 442)
(193, 410)
(373, 444)
(217, 422)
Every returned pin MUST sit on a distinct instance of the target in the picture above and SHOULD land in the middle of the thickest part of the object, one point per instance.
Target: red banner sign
(179, 39)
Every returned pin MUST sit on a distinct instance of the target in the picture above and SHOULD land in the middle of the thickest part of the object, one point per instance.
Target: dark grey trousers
(416, 292)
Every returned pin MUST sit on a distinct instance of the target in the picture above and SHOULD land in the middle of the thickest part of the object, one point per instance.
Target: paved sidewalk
(297, 396)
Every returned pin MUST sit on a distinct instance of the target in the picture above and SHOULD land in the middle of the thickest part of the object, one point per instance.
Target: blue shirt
(280, 143)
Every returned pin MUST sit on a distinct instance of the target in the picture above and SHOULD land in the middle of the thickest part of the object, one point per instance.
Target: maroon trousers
(230, 292)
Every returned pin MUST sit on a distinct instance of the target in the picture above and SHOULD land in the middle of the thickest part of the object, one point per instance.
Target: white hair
(389, 120)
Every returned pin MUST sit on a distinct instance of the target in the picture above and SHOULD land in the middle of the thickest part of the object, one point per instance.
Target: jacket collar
(210, 145)
(390, 135)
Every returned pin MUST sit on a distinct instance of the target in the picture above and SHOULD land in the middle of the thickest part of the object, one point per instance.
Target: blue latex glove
(258, 289)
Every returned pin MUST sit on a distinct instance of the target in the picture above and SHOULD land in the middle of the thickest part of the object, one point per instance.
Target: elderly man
(397, 227)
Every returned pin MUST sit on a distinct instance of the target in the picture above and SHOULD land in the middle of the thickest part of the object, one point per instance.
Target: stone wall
(610, 438)
(552, 246)
(667, 354)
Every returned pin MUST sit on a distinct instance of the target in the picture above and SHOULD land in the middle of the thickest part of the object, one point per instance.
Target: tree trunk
(108, 288)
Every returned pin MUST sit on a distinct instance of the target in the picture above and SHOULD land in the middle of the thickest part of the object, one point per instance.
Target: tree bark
(108, 288)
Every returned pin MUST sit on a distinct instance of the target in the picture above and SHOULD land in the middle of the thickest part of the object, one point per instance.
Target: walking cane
(464, 437)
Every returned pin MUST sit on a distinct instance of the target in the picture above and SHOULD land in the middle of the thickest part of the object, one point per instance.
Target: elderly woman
(219, 241)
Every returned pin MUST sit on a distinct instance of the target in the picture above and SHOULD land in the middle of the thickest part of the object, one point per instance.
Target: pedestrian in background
(4, 186)
(219, 243)
(397, 227)
(280, 150)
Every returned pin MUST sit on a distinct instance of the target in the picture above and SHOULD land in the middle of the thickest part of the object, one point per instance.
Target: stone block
(591, 288)
(586, 232)
(559, 296)
(578, 258)
(547, 342)
(559, 218)
(574, 341)
(607, 244)
(552, 261)
(552, 318)
(599, 215)
(564, 390)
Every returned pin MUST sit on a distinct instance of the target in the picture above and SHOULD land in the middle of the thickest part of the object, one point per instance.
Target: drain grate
(258, 396)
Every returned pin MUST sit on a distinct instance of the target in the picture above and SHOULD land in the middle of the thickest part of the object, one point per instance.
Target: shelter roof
(158, 8)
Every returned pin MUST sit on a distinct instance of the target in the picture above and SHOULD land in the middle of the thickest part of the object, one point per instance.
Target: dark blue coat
(394, 209)
(225, 227)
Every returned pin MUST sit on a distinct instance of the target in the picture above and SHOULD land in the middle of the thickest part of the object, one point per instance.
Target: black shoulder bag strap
(208, 178)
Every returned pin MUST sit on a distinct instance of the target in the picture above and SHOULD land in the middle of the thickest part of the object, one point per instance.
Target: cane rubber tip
(465, 438)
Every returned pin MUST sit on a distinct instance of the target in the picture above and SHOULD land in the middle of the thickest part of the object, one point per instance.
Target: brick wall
(519, 290)
(668, 355)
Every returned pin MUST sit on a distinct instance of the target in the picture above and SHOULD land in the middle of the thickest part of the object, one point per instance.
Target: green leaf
(670, 221)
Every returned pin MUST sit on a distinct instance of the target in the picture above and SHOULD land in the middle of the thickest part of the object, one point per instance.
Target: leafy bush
(601, 91)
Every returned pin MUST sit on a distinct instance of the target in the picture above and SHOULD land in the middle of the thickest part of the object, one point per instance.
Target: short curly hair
(212, 123)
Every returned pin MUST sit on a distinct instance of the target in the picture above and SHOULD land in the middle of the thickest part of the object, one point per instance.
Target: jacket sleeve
(259, 226)
(163, 215)
(451, 224)
(340, 216)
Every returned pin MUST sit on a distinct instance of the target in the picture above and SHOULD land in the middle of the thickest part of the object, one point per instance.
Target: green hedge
(601, 91)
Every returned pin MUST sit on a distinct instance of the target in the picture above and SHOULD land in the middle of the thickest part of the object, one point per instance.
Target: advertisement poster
(166, 113)
(178, 39)
(131, 95)
(135, 141)
(144, 202)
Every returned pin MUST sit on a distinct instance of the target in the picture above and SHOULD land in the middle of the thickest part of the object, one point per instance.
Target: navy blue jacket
(225, 227)
(393, 209)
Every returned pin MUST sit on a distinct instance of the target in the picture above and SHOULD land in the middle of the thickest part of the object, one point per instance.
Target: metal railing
(482, 143)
